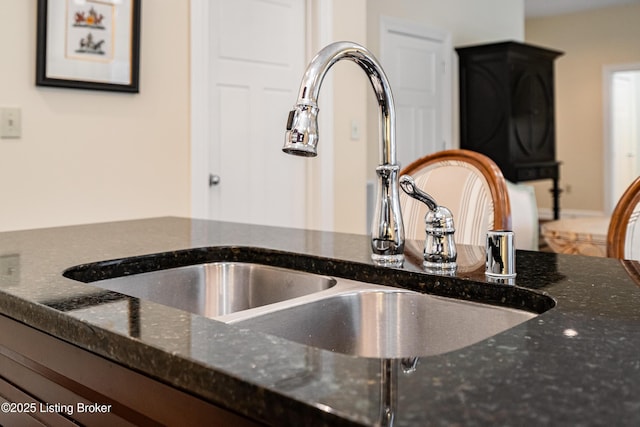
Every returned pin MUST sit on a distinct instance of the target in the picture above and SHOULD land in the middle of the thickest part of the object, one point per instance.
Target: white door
(257, 61)
(417, 61)
(623, 130)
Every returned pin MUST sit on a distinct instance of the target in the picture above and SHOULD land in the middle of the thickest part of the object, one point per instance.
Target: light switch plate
(9, 271)
(10, 122)
(355, 130)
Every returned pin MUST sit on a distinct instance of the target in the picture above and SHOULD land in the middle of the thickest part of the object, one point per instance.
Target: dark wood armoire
(507, 109)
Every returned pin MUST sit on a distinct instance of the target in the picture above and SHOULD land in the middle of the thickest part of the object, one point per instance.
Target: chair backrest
(623, 236)
(468, 183)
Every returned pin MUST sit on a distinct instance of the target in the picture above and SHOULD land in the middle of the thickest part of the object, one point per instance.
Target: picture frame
(89, 44)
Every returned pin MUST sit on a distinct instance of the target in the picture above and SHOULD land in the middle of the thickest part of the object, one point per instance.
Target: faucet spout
(301, 138)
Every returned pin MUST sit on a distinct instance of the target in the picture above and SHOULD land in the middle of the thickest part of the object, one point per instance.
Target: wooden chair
(623, 236)
(468, 183)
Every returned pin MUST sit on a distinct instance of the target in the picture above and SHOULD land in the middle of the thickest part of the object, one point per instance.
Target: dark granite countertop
(576, 364)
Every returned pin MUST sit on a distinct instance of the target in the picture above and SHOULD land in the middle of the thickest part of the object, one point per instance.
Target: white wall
(88, 156)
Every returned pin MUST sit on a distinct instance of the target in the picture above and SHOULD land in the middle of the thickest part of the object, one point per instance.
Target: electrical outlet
(10, 122)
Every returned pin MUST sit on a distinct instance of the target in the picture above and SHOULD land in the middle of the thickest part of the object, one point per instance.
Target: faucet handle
(439, 247)
(408, 185)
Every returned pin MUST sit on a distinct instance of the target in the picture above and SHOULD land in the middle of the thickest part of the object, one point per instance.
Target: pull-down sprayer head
(301, 137)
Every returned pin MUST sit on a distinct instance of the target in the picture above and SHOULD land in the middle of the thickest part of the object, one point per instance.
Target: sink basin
(218, 288)
(336, 314)
(387, 323)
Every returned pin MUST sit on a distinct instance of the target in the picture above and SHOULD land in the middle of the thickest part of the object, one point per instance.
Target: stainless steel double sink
(331, 313)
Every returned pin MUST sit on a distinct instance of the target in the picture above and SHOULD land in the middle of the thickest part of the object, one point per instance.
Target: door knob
(213, 180)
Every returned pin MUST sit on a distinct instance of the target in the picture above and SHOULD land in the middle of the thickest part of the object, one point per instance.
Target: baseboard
(547, 213)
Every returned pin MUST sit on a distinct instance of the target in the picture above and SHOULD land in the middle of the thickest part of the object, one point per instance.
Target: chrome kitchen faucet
(387, 234)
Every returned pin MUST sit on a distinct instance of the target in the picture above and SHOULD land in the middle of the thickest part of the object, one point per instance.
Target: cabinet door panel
(53, 371)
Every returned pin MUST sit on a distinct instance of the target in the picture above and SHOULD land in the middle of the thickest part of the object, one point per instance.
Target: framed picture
(89, 44)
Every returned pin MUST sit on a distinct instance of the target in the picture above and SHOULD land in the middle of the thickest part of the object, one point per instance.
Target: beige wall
(590, 41)
(468, 22)
(350, 87)
(88, 156)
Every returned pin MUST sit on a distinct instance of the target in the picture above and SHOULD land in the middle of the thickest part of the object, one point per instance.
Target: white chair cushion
(632, 237)
(524, 216)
